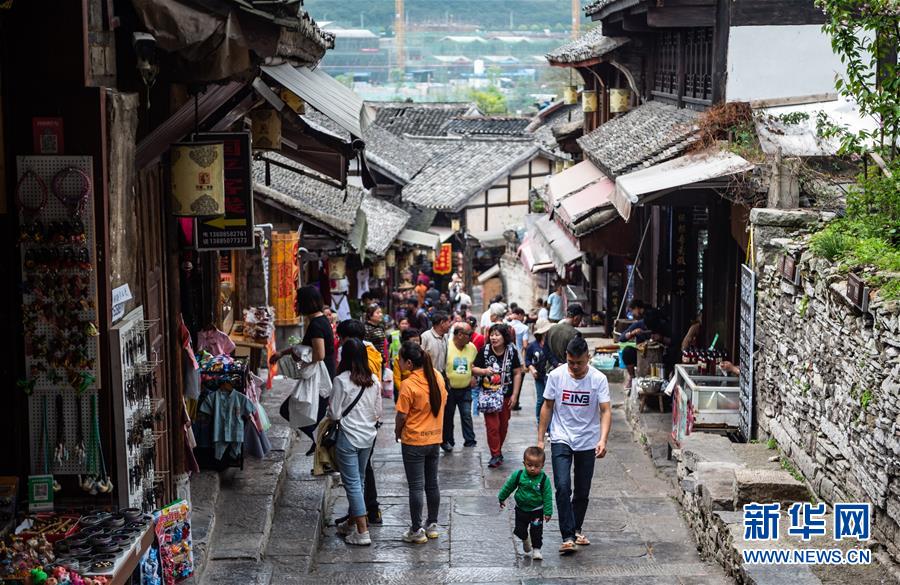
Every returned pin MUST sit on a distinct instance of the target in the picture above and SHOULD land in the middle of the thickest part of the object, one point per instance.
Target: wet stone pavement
(634, 525)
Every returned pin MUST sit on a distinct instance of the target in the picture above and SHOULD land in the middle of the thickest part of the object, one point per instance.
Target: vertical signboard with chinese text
(234, 230)
(748, 316)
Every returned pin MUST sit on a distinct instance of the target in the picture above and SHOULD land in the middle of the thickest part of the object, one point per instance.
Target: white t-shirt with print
(576, 407)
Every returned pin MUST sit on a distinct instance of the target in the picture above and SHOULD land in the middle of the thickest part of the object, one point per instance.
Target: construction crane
(576, 17)
(400, 35)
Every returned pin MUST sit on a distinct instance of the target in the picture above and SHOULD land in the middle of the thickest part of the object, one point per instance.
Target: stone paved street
(634, 524)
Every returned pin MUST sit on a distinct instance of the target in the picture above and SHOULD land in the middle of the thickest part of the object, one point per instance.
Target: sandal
(567, 548)
(581, 539)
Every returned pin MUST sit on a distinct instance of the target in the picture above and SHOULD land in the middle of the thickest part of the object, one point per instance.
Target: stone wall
(828, 377)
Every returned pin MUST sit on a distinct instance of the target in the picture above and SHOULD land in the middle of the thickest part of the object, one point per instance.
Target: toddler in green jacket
(534, 501)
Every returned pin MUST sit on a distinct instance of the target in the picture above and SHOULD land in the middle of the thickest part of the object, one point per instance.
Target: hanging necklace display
(74, 202)
(61, 453)
(80, 451)
(29, 211)
(45, 442)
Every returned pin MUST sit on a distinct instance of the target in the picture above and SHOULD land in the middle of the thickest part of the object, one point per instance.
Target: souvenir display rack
(59, 308)
(212, 380)
(134, 381)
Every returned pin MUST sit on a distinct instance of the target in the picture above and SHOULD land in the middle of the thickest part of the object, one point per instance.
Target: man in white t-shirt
(576, 397)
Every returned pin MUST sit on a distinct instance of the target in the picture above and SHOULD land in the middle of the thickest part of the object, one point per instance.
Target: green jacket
(529, 493)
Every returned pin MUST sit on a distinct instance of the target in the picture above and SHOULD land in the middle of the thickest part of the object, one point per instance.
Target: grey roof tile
(590, 45)
(384, 221)
(487, 125)
(320, 201)
(391, 153)
(419, 119)
(597, 6)
(461, 168)
(552, 118)
(649, 134)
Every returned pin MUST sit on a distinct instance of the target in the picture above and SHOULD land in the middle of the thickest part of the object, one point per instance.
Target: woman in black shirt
(320, 338)
(501, 370)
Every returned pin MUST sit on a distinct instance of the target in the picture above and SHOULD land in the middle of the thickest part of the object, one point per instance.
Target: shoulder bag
(329, 437)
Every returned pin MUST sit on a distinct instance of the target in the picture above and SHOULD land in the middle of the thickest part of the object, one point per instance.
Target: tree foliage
(865, 34)
(489, 100)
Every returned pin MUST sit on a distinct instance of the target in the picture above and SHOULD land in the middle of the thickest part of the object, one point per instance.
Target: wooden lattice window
(698, 43)
(683, 65)
(665, 78)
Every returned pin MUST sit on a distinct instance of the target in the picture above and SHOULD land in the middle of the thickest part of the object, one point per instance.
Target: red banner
(443, 264)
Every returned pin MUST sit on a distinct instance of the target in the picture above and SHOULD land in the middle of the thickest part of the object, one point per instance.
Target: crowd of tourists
(442, 360)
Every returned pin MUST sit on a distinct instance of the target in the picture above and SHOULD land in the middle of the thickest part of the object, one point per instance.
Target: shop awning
(494, 239)
(444, 233)
(670, 175)
(420, 239)
(489, 274)
(326, 94)
(533, 257)
(577, 207)
(574, 179)
(556, 244)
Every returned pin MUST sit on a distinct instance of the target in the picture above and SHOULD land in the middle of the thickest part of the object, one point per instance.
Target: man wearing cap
(538, 362)
(559, 335)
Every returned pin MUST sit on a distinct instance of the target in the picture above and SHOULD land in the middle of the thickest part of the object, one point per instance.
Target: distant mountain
(486, 14)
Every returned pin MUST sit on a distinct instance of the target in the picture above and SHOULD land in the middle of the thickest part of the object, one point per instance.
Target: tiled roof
(384, 222)
(487, 125)
(554, 117)
(285, 13)
(649, 134)
(390, 153)
(320, 201)
(590, 45)
(419, 119)
(393, 154)
(597, 6)
(462, 168)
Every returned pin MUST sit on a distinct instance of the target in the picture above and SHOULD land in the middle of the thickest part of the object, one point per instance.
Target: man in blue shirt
(555, 303)
(539, 362)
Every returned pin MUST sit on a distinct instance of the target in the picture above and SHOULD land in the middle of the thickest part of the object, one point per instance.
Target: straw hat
(542, 326)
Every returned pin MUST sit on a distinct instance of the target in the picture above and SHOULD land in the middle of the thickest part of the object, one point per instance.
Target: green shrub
(830, 243)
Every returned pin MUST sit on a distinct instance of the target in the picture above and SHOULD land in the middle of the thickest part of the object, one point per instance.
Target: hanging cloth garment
(340, 304)
(362, 282)
(215, 342)
(190, 369)
(227, 409)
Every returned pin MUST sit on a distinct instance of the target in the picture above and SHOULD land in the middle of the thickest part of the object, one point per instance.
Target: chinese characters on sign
(234, 230)
(443, 264)
(681, 251)
(850, 520)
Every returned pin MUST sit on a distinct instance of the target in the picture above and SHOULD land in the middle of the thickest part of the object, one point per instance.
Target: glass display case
(714, 400)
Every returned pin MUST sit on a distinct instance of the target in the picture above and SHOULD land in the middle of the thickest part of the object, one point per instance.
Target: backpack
(540, 485)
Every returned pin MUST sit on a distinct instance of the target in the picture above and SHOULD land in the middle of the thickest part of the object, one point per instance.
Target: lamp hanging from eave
(293, 101)
(379, 269)
(570, 92)
(337, 267)
(266, 125)
(390, 258)
(198, 179)
(619, 100)
(589, 101)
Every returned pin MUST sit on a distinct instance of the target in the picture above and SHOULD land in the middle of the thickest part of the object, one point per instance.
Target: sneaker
(417, 537)
(358, 538)
(375, 517)
(447, 447)
(341, 520)
(345, 528)
(536, 554)
(472, 444)
(516, 407)
(500, 457)
(526, 545)
(431, 531)
(494, 462)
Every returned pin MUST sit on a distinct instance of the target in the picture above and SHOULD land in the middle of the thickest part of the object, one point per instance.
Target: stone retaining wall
(828, 377)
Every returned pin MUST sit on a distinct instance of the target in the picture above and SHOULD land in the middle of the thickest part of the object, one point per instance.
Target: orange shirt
(422, 427)
(421, 289)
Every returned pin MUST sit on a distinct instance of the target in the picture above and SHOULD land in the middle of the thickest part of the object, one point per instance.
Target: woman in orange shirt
(420, 428)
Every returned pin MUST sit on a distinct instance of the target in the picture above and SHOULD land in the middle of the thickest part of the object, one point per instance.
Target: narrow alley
(636, 531)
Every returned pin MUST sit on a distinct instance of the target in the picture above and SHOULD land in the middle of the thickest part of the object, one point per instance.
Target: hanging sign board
(234, 230)
(748, 317)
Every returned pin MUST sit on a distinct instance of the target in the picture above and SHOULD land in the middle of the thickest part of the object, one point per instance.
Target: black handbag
(329, 436)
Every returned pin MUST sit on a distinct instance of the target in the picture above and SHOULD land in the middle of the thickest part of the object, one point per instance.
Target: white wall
(766, 62)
